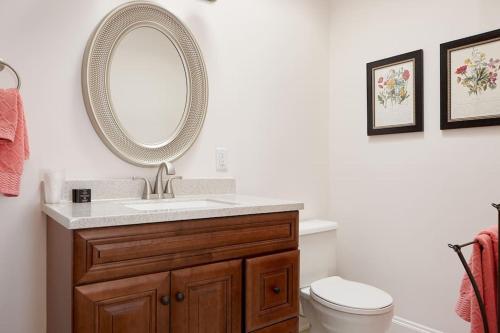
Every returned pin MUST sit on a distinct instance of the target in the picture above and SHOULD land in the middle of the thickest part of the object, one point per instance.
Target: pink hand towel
(14, 148)
(8, 114)
(484, 267)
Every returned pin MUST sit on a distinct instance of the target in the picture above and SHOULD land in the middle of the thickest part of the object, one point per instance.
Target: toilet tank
(317, 243)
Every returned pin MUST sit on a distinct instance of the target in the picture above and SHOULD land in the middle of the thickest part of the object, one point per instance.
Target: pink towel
(484, 267)
(14, 148)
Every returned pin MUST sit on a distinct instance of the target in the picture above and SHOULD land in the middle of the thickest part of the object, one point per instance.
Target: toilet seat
(351, 297)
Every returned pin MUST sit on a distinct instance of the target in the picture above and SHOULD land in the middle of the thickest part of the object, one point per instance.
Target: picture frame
(469, 93)
(395, 94)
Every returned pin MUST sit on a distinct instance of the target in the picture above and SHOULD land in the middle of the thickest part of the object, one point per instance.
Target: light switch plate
(221, 159)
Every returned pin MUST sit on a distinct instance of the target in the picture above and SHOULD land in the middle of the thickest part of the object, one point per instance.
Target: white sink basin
(180, 205)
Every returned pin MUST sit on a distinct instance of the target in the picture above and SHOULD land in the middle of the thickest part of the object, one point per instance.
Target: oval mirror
(145, 84)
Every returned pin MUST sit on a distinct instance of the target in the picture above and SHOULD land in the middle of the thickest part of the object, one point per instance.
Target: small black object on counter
(82, 195)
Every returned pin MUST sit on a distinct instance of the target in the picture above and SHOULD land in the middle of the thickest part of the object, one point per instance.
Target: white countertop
(106, 213)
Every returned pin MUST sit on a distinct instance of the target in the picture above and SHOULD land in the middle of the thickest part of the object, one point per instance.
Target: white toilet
(332, 304)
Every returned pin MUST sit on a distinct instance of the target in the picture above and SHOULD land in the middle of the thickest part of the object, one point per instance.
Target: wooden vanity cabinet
(287, 326)
(218, 275)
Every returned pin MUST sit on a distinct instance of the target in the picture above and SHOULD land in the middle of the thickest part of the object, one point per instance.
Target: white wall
(401, 198)
(267, 65)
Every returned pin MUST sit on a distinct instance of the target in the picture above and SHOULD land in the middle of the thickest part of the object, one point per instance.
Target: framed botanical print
(469, 71)
(395, 94)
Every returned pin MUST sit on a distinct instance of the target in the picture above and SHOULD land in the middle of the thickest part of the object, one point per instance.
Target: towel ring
(3, 64)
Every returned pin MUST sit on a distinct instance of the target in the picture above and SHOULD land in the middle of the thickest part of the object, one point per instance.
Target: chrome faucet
(169, 170)
(158, 191)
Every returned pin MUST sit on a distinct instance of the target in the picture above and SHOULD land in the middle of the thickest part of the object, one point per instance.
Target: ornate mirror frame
(96, 92)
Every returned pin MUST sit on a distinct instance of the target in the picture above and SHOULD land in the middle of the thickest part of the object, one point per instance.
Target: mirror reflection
(148, 86)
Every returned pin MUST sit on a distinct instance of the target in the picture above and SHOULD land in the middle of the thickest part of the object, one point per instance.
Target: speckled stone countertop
(106, 213)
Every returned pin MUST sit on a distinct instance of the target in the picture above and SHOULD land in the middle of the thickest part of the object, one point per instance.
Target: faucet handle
(170, 168)
(147, 187)
(168, 187)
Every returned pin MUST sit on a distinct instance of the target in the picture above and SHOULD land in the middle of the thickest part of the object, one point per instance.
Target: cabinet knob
(179, 296)
(165, 300)
(277, 290)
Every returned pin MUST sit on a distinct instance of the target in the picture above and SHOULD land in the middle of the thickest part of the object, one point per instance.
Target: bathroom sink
(180, 205)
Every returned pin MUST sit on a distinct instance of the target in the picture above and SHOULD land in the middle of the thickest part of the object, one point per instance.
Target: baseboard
(401, 325)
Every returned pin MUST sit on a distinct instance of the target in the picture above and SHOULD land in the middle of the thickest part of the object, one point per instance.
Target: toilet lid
(350, 296)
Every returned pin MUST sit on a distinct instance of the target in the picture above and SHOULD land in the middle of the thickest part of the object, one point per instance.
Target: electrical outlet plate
(221, 159)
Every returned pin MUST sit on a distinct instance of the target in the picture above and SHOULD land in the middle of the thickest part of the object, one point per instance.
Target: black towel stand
(458, 250)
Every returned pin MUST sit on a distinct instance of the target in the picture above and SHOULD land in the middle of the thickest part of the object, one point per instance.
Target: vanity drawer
(115, 252)
(272, 284)
(288, 326)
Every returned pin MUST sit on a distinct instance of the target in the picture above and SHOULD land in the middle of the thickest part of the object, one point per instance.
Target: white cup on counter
(53, 181)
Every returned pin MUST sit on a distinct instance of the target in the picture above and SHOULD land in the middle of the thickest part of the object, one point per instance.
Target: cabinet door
(207, 299)
(134, 305)
(272, 288)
